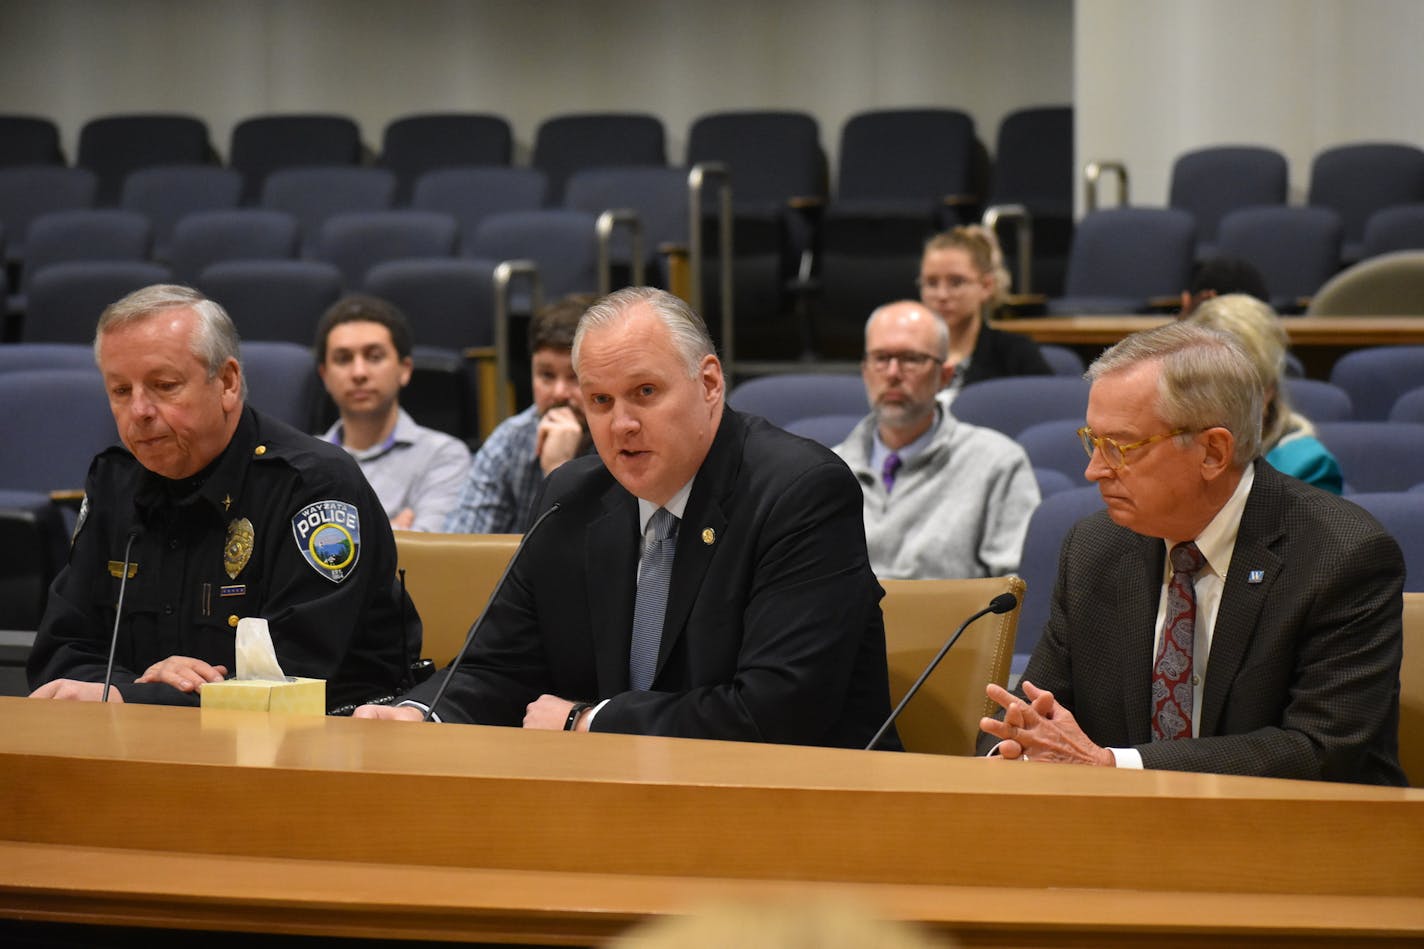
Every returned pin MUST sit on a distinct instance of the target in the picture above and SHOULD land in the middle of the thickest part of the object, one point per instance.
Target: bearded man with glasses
(1219, 616)
(943, 499)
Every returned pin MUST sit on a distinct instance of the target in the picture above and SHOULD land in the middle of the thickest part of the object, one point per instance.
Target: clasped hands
(1040, 730)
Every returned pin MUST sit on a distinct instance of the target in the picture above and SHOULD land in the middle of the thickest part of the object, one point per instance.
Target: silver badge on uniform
(328, 533)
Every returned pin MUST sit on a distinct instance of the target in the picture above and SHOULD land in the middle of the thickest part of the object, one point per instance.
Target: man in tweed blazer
(1298, 607)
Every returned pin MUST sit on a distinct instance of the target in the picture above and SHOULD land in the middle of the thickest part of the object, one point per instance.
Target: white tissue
(256, 659)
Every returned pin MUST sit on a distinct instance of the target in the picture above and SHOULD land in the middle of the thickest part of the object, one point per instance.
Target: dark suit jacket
(773, 632)
(1303, 677)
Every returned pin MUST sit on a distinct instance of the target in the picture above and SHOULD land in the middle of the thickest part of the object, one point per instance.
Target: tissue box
(296, 696)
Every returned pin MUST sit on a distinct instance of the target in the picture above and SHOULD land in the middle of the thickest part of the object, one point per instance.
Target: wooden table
(1317, 340)
(161, 817)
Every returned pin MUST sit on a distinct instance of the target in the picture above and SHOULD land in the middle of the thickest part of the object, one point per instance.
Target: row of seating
(1131, 260)
(1355, 181)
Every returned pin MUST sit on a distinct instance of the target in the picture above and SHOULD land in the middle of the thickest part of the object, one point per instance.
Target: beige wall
(528, 59)
(1155, 78)
(1150, 78)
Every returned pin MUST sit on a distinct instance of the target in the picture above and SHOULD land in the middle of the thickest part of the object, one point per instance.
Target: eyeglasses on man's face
(1115, 453)
(909, 360)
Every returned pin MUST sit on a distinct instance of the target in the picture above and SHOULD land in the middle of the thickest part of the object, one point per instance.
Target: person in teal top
(1287, 436)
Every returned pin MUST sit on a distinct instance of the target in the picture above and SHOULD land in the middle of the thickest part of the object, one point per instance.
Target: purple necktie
(889, 469)
(1172, 673)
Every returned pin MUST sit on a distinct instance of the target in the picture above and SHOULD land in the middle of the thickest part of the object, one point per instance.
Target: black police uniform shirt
(281, 525)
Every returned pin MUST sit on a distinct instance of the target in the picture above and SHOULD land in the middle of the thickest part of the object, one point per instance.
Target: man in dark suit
(1285, 601)
(768, 624)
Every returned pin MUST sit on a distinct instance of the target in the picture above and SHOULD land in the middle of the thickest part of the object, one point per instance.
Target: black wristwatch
(574, 714)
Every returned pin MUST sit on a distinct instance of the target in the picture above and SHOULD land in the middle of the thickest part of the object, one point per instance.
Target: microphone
(1002, 603)
(479, 620)
(118, 614)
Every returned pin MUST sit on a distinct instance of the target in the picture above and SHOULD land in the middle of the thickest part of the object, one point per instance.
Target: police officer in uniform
(219, 513)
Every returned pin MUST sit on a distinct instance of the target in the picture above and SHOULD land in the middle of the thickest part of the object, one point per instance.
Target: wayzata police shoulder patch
(328, 533)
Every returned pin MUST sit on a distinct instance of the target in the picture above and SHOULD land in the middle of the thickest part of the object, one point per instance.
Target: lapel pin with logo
(709, 536)
(1255, 576)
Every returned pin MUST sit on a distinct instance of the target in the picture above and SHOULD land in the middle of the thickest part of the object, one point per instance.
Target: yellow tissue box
(296, 696)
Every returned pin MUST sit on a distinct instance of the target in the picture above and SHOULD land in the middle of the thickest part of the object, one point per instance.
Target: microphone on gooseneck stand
(118, 614)
(479, 620)
(1002, 603)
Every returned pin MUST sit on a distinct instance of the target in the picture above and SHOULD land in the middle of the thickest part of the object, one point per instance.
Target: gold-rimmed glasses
(1115, 453)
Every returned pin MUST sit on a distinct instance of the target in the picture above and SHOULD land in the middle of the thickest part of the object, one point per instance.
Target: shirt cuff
(592, 712)
(1127, 758)
(424, 709)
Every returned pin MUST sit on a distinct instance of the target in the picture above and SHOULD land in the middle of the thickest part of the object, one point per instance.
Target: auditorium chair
(273, 299)
(112, 146)
(26, 193)
(65, 300)
(828, 430)
(1399, 227)
(356, 241)
(658, 200)
(1125, 258)
(282, 382)
(902, 176)
(1010, 404)
(1295, 249)
(473, 194)
(789, 396)
(1402, 514)
(211, 237)
(29, 140)
(1409, 407)
(562, 244)
(312, 195)
(168, 193)
(450, 577)
(1388, 285)
(1359, 179)
(1033, 167)
(1038, 567)
(1376, 456)
(1210, 183)
(415, 144)
(920, 615)
(450, 304)
(1319, 401)
(1054, 444)
(263, 144)
(1376, 376)
(564, 144)
(84, 235)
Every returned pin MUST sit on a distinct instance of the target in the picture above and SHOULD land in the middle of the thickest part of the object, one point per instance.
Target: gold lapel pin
(709, 536)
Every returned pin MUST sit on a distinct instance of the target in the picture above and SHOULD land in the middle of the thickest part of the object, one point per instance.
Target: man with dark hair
(1218, 276)
(1217, 616)
(513, 462)
(704, 576)
(219, 513)
(363, 357)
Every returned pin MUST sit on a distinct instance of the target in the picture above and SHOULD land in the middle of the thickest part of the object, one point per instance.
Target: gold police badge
(238, 549)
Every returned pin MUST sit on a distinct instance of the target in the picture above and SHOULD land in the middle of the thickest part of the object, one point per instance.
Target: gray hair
(214, 339)
(689, 334)
(941, 328)
(1207, 381)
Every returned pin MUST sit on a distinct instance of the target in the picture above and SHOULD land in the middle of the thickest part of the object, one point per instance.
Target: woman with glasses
(962, 279)
(1287, 437)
